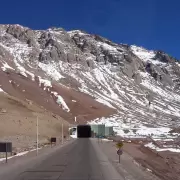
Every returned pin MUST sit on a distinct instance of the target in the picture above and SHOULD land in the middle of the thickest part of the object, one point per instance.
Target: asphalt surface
(80, 160)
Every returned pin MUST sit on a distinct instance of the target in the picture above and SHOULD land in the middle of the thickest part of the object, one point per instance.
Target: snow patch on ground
(51, 70)
(149, 170)
(106, 140)
(19, 154)
(158, 139)
(105, 103)
(155, 131)
(6, 66)
(61, 101)
(21, 70)
(152, 146)
(45, 82)
(131, 128)
(31, 74)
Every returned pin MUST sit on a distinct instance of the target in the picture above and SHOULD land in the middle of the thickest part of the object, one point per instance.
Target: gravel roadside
(128, 167)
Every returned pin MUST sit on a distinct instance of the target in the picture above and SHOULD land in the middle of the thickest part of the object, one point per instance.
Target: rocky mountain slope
(79, 74)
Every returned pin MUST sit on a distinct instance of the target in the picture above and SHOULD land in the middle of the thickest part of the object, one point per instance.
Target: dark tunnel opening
(83, 131)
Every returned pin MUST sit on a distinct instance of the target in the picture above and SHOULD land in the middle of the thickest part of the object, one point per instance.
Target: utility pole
(62, 134)
(69, 131)
(37, 134)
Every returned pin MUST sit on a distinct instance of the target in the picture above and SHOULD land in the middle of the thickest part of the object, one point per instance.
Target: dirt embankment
(80, 104)
(165, 165)
(18, 123)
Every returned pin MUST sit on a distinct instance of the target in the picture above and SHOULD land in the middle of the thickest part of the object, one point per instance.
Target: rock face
(22, 34)
(120, 76)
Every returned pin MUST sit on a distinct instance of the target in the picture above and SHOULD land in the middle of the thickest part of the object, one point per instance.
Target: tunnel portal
(83, 131)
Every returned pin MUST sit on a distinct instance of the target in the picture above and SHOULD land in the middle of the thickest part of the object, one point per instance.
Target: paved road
(80, 160)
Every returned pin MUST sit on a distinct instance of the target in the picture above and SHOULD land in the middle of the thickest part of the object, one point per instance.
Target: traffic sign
(119, 152)
(119, 145)
(6, 147)
(53, 140)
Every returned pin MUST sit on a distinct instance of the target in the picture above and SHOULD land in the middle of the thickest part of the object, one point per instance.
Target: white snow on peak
(18, 25)
(145, 55)
(142, 53)
(73, 32)
(108, 47)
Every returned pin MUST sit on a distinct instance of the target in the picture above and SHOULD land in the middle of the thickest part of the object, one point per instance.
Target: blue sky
(154, 24)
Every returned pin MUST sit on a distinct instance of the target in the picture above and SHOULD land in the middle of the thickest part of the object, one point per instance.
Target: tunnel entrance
(83, 131)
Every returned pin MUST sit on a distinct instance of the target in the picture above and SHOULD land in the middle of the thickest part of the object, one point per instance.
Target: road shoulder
(128, 167)
(21, 163)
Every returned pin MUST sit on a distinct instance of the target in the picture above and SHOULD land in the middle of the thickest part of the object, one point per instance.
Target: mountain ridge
(124, 78)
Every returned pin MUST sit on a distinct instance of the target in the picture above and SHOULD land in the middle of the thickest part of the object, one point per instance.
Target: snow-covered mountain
(128, 84)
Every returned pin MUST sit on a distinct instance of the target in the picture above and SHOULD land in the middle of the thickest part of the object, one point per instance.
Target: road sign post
(69, 132)
(119, 158)
(37, 135)
(62, 138)
(101, 139)
(6, 147)
(119, 145)
(119, 152)
(6, 152)
(53, 140)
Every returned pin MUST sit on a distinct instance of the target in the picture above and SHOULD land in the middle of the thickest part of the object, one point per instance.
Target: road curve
(80, 160)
